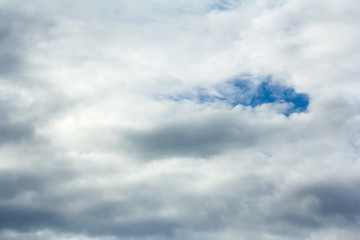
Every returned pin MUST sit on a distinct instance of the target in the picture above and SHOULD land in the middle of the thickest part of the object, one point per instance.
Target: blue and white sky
(179, 120)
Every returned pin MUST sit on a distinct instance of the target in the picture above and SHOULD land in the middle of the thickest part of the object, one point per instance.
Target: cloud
(87, 152)
(335, 199)
(203, 134)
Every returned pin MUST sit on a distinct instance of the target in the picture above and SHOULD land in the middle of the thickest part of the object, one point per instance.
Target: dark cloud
(25, 218)
(196, 137)
(335, 199)
(18, 33)
(10, 130)
(140, 212)
(22, 214)
(10, 45)
(242, 203)
(50, 209)
(15, 183)
(187, 139)
(313, 207)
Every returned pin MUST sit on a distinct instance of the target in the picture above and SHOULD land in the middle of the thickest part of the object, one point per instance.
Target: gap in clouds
(223, 5)
(243, 91)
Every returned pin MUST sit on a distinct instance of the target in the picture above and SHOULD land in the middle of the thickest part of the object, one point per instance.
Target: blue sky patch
(245, 92)
(221, 5)
(225, 5)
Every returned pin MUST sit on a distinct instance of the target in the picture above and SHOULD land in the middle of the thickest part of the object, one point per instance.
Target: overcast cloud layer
(179, 120)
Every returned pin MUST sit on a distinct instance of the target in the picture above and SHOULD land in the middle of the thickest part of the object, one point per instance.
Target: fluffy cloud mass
(169, 120)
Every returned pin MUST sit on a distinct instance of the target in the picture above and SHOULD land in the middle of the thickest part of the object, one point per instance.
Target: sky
(179, 120)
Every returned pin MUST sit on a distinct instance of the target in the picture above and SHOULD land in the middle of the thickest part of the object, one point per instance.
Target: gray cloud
(196, 138)
(15, 183)
(335, 199)
(77, 123)
(18, 32)
(26, 218)
(12, 131)
(204, 136)
(10, 57)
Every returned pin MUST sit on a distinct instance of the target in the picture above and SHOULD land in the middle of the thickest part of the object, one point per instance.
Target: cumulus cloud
(179, 120)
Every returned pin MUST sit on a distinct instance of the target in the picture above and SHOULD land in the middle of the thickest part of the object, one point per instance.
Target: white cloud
(88, 152)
